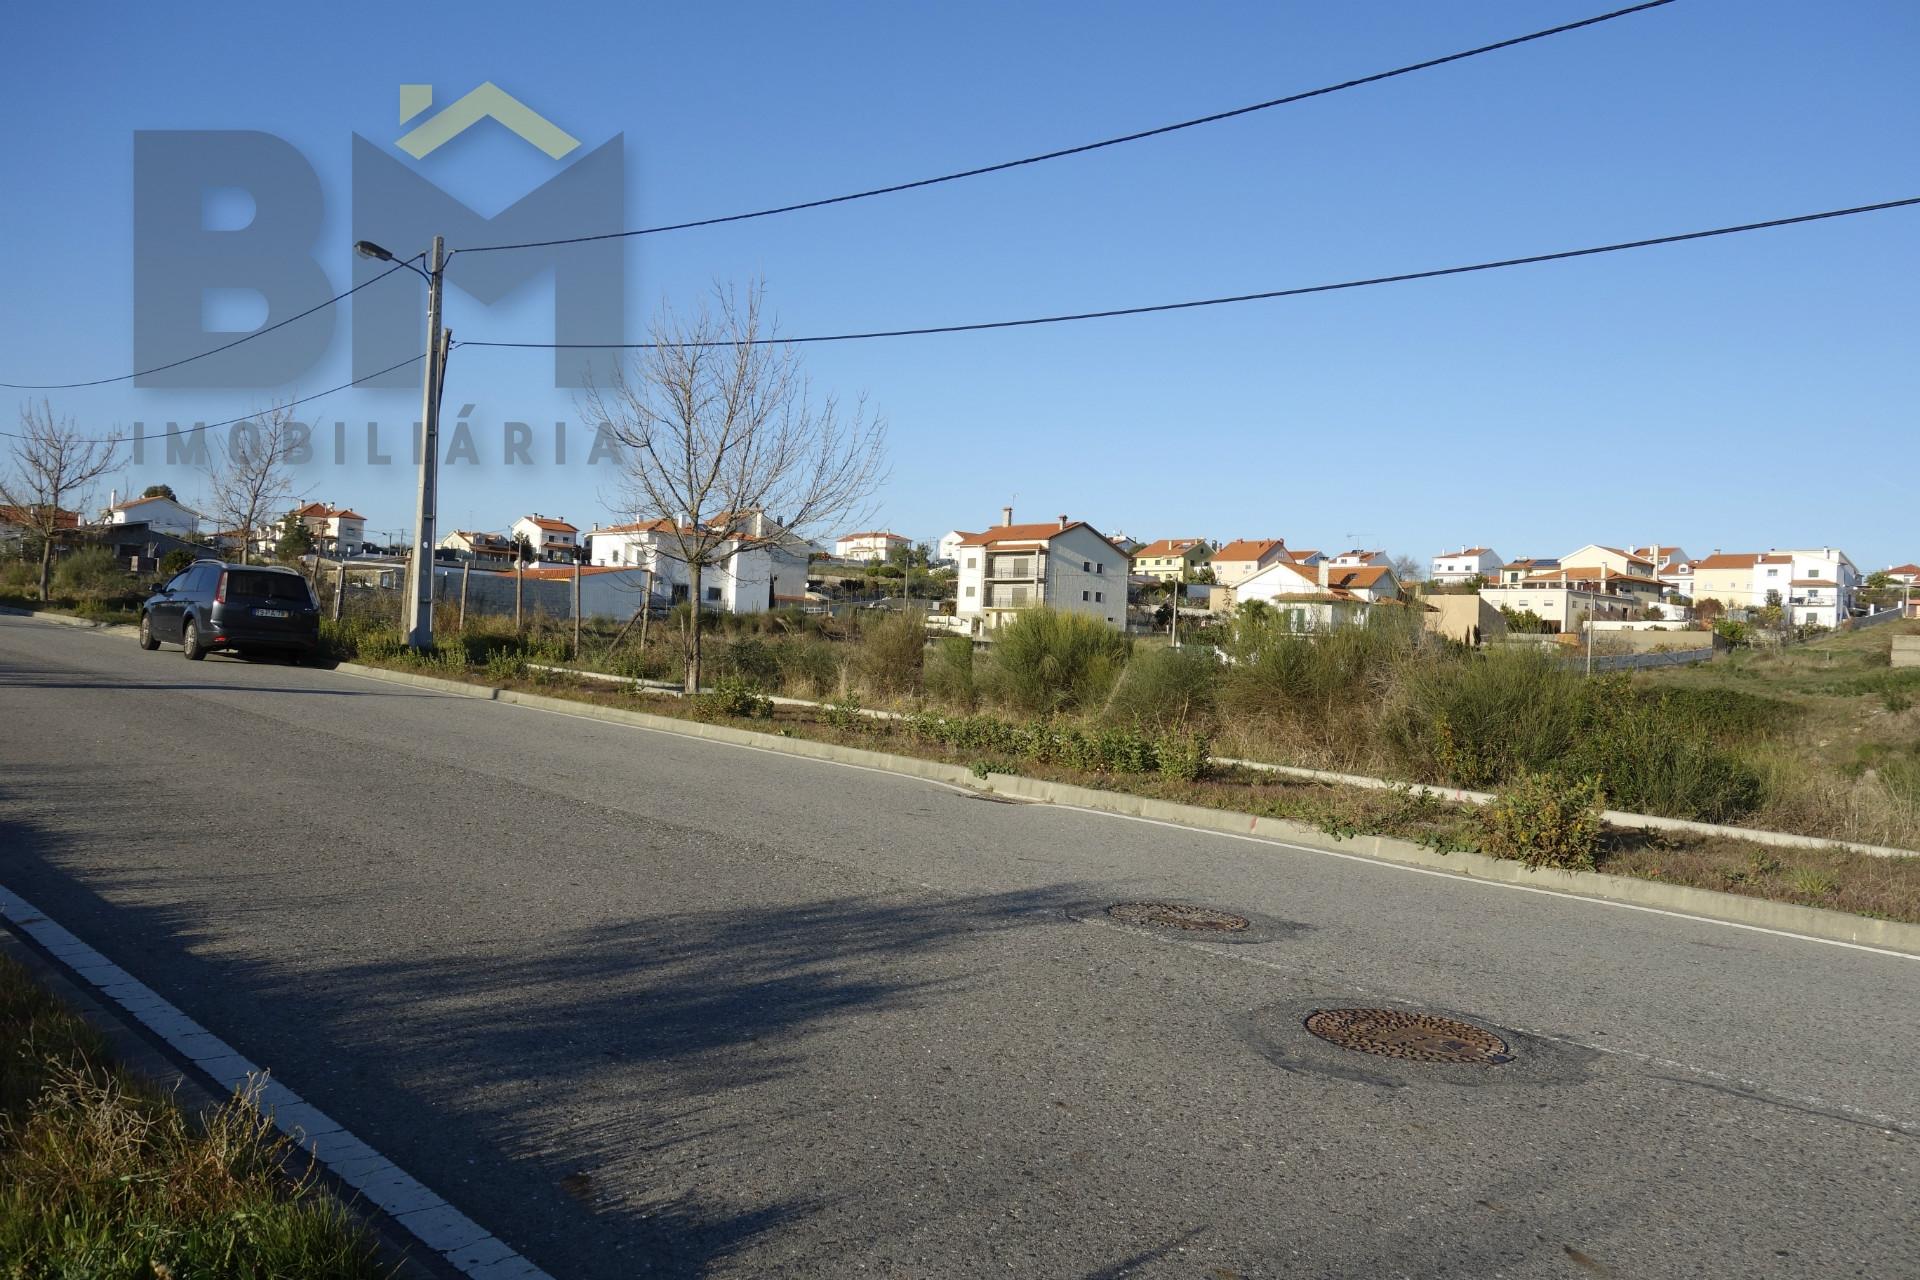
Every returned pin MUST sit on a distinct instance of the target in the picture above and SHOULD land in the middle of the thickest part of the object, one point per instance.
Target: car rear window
(245, 584)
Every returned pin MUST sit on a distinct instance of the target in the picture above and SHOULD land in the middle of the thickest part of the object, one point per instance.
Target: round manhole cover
(1413, 1037)
(1177, 915)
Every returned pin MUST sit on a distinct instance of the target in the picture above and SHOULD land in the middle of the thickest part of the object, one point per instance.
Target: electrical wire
(281, 324)
(1083, 148)
(1264, 295)
(245, 417)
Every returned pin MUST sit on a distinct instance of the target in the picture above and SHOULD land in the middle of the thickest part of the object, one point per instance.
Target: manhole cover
(1413, 1037)
(1177, 915)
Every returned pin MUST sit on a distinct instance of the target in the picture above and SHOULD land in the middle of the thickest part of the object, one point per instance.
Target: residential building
(947, 550)
(551, 538)
(1126, 544)
(1515, 571)
(160, 514)
(1308, 556)
(1240, 559)
(1320, 596)
(1904, 574)
(1358, 559)
(873, 545)
(1567, 597)
(751, 576)
(1661, 556)
(1816, 585)
(485, 550)
(16, 522)
(1172, 559)
(1466, 564)
(1469, 619)
(1615, 560)
(340, 530)
(1067, 564)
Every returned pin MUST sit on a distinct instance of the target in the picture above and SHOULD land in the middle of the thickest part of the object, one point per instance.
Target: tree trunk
(693, 627)
(46, 565)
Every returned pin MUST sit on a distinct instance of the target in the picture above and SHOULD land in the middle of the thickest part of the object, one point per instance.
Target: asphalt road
(649, 1006)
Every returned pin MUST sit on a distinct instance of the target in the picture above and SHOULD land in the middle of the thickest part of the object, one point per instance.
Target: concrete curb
(1457, 795)
(401, 1252)
(1755, 913)
(1758, 913)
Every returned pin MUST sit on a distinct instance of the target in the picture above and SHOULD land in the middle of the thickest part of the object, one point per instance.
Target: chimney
(1006, 515)
(1063, 521)
(1323, 573)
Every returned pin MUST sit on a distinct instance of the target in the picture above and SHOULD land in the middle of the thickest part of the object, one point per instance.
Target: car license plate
(269, 613)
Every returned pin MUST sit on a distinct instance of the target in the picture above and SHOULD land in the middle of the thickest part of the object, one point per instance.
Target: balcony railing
(1011, 569)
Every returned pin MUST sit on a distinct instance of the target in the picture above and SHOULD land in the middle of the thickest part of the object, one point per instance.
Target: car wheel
(147, 641)
(190, 641)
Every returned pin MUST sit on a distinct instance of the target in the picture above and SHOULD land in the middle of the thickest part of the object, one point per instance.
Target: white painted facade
(868, 546)
(162, 515)
(1466, 564)
(1066, 565)
(551, 538)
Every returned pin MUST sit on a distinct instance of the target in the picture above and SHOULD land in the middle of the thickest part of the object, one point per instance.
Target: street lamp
(439, 343)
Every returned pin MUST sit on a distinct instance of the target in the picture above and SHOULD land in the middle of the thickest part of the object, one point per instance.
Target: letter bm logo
(179, 261)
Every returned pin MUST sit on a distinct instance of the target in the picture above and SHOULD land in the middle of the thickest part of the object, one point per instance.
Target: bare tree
(54, 471)
(250, 475)
(723, 443)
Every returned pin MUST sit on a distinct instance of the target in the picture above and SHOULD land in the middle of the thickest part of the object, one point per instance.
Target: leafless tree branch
(55, 468)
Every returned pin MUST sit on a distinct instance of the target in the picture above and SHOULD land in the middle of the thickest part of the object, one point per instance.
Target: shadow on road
(596, 1096)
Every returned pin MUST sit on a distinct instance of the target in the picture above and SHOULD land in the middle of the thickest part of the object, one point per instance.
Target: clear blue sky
(1742, 393)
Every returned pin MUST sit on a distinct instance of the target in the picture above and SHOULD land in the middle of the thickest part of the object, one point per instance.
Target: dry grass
(101, 1177)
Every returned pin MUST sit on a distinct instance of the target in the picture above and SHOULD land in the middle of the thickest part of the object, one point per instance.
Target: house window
(1086, 566)
(713, 593)
(969, 593)
(1099, 566)
(1773, 573)
(1099, 597)
(973, 562)
(1086, 595)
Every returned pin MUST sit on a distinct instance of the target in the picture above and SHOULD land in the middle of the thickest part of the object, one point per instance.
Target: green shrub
(731, 696)
(748, 660)
(1479, 719)
(1108, 750)
(809, 665)
(948, 674)
(503, 664)
(1729, 715)
(1544, 821)
(1166, 689)
(1653, 758)
(1047, 661)
(17, 578)
(176, 561)
(893, 652)
(94, 572)
(1313, 682)
(844, 713)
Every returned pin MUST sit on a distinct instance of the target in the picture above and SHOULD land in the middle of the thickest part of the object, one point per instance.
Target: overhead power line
(175, 364)
(1083, 148)
(1264, 295)
(247, 417)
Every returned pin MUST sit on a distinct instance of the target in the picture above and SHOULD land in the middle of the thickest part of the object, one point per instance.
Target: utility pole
(420, 587)
(418, 619)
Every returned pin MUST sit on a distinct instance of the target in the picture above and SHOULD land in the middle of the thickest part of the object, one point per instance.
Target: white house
(947, 550)
(551, 538)
(872, 545)
(1613, 559)
(340, 530)
(1467, 564)
(160, 514)
(754, 578)
(1821, 591)
(1319, 596)
(1904, 574)
(1514, 571)
(483, 549)
(1243, 557)
(1066, 564)
(1358, 559)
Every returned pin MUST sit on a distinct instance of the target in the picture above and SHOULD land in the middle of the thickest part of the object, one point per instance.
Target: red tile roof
(1250, 549)
(25, 516)
(1739, 560)
(1169, 547)
(874, 533)
(548, 522)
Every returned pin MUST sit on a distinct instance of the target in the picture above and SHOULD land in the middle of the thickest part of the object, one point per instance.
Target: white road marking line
(1458, 878)
(441, 1228)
